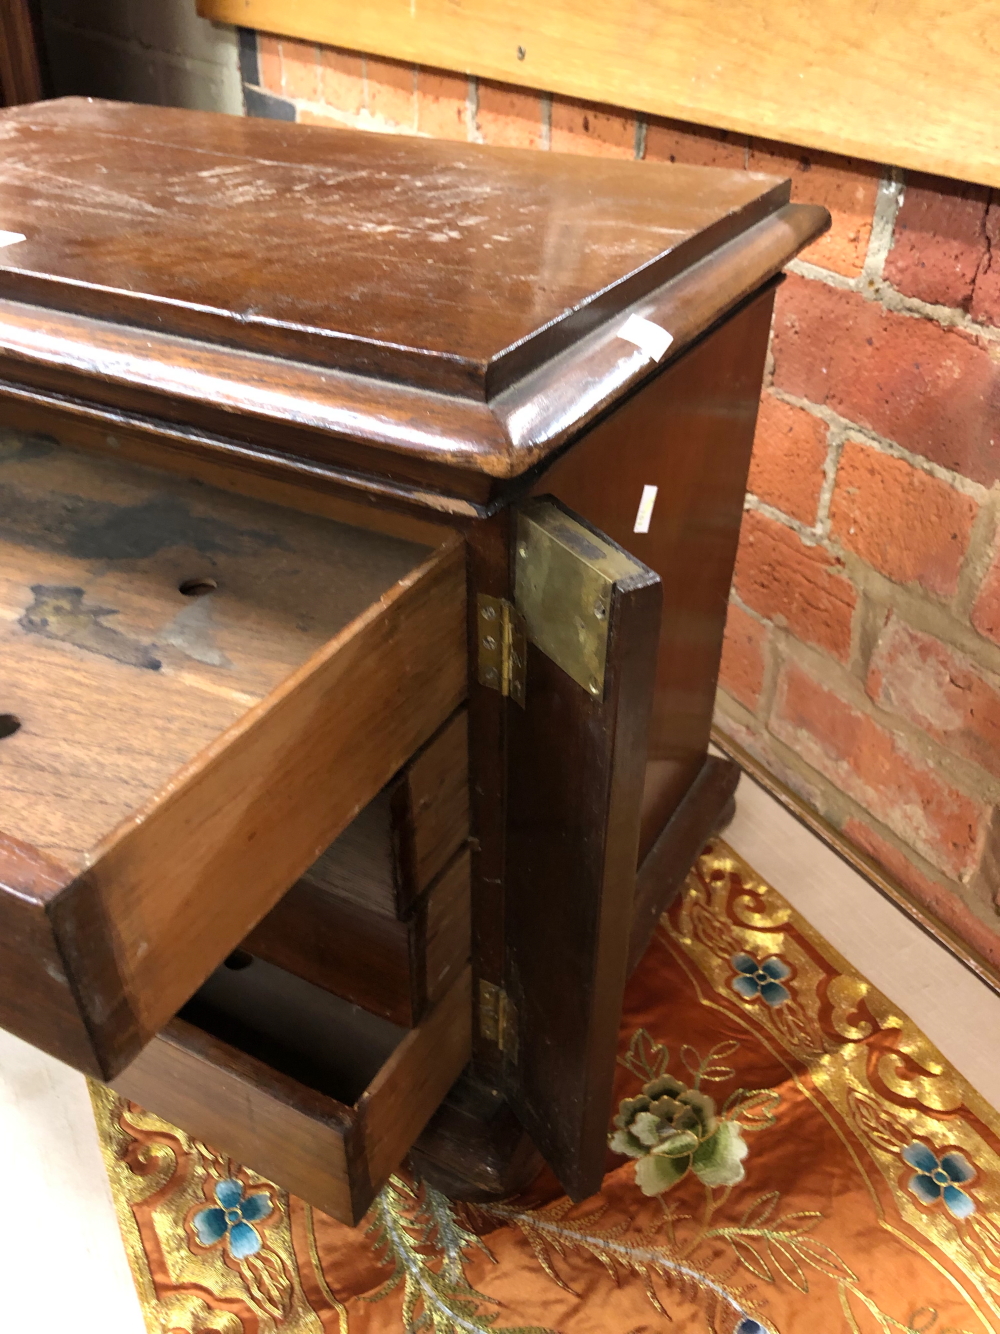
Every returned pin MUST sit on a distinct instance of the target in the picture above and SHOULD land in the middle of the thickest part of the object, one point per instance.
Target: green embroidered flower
(672, 1130)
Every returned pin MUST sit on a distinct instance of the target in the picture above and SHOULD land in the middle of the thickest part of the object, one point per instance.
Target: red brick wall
(862, 659)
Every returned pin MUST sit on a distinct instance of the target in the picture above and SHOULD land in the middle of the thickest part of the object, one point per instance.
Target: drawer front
(208, 688)
(392, 850)
(392, 968)
(334, 1154)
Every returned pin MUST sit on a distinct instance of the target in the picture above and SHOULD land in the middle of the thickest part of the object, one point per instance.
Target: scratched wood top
(451, 266)
(116, 677)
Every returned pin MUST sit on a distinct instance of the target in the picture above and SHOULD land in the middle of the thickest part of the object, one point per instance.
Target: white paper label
(645, 510)
(11, 238)
(651, 339)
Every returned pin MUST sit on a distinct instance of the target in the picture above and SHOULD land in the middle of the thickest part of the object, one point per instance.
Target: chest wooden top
(407, 316)
(447, 265)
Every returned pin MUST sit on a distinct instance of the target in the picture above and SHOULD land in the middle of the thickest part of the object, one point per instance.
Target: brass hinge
(503, 647)
(498, 1018)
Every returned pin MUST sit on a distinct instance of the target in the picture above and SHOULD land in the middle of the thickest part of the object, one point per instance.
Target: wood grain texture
(431, 808)
(408, 1089)
(665, 867)
(446, 930)
(192, 745)
(118, 678)
(20, 53)
(850, 77)
(297, 1137)
(334, 1154)
(257, 805)
(185, 349)
(400, 842)
(573, 805)
(390, 967)
(689, 432)
(452, 266)
(37, 1000)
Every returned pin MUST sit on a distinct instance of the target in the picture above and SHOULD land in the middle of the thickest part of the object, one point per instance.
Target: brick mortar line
(882, 293)
(923, 612)
(837, 806)
(835, 447)
(473, 133)
(810, 536)
(361, 120)
(546, 99)
(965, 774)
(888, 200)
(863, 435)
(954, 631)
(639, 142)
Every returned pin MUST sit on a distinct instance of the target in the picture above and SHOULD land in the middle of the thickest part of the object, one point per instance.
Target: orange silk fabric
(831, 1229)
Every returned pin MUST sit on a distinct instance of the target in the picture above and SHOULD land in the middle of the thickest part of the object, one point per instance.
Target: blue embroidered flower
(232, 1219)
(938, 1178)
(761, 979)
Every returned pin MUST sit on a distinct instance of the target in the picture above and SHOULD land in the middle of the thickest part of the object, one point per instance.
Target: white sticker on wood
(11, 238)
(645, 510)
(651, 339)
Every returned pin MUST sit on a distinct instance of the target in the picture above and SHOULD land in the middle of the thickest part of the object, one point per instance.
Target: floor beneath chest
(64, 1263)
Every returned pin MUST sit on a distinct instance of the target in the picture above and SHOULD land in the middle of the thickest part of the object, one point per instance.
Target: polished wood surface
(909, 84)
(389, 428)
(689, 433)
(175, 881)
(336, 1153)
(449, 265)
(202, 741)
(577, 763)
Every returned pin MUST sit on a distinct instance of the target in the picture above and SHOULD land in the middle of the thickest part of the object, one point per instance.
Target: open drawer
(319, 1096)
(198, 692)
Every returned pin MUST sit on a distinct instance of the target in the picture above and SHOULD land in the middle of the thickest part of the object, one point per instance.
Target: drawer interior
(199, 691)
(141, 615)
(314, 1093)
(293, 1026)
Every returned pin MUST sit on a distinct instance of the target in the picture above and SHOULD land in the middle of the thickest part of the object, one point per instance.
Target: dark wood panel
(37, 1001)
(666, 865)
(22, 67)
(689, 432)
(474, 1147)
(262, 1106)
(348, 222)
(400, 842)
(431, 808)
(576, 770)
(391, 967)
(196, 741)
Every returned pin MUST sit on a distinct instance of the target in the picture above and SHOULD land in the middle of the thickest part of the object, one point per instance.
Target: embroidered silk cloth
(790, 1154)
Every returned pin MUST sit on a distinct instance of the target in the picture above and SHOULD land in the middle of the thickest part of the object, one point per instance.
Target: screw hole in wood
(8, 725)
(197, 588)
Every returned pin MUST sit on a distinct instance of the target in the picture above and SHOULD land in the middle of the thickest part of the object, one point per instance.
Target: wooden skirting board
(909, 84)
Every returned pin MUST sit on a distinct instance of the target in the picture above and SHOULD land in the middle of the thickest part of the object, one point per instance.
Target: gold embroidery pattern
(870, 1201)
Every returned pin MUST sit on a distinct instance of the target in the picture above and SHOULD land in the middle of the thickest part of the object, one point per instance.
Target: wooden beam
(910, 82)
